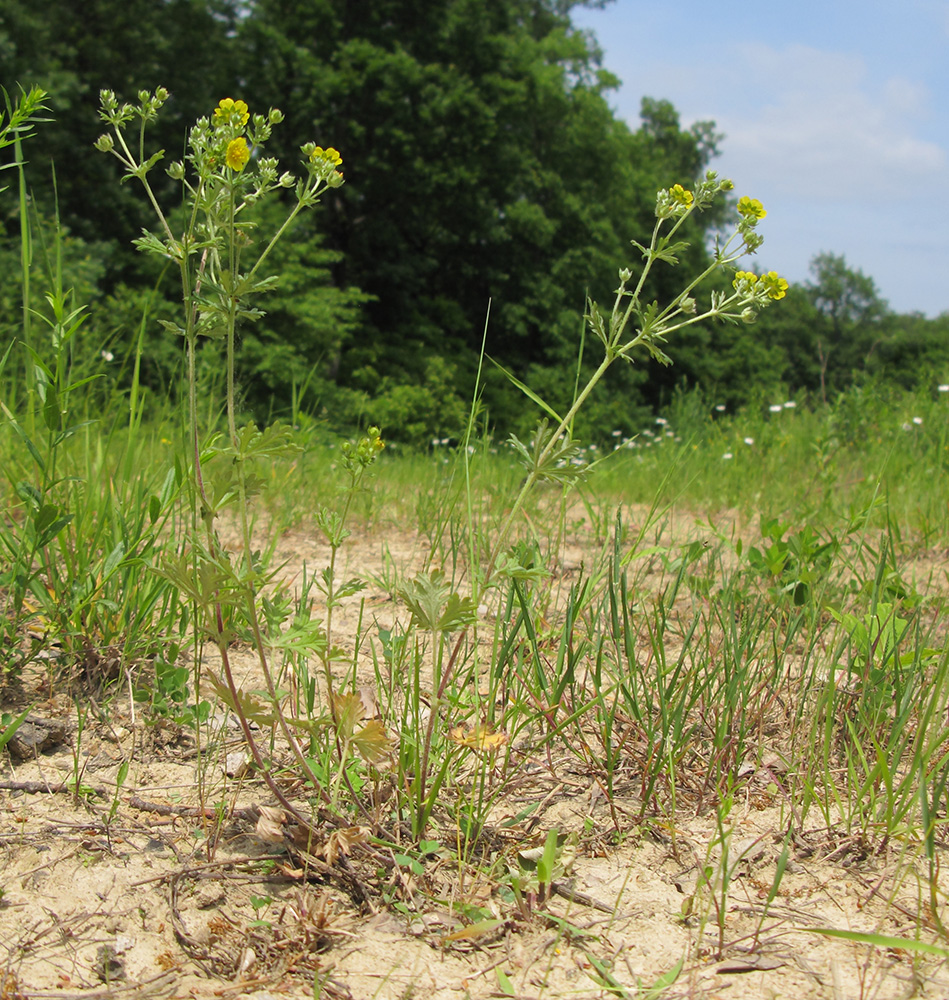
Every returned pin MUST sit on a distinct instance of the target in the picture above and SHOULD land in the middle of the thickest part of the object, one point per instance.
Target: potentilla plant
(224, 173)
(634, 324)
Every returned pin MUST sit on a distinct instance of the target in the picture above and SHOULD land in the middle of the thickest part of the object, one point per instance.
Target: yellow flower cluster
(774, 286)
(751, 208)
(329, 154)
(680, 196)
(228, 110)
(749, 276)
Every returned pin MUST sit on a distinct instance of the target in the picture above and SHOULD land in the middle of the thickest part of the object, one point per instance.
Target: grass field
(698, 715)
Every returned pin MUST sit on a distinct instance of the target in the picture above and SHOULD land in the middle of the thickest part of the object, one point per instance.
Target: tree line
(489, 187)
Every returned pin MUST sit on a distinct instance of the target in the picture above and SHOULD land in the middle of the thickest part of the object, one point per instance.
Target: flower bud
(176, 171)
(687, 305)
(625, 274)
(748, 315)
(104, 143)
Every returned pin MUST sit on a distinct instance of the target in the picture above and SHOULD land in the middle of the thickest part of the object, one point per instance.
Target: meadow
(652, 715)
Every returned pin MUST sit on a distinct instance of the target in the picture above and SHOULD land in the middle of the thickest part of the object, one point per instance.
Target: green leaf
(47, 523)
(881, 940)
(10, 731)
(504, 983)
(527, 391)
(411, 863)
(434, 607)
(113, 560)
(547, 862)
(668, 251)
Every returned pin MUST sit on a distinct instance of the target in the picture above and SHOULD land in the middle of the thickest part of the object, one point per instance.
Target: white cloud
(810, 123)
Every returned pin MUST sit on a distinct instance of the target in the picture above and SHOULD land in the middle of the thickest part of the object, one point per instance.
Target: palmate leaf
(348, 710)
(341, 842)
(273, 441)
(370, 740)
(246, 705)
(433, 606)
(668, 251)
(303, 637)
(479, 737)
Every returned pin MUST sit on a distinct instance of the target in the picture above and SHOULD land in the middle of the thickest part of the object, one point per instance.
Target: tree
(853, 316)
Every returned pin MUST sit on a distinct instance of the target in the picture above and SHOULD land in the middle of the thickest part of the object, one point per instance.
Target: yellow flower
(775, 286)
(751, 208)
(237, 154)
(747, 276)
(229, 109)
(680, 196)
(329, 154)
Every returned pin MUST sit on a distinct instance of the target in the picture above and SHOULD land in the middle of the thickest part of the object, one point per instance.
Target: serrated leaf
(562, 462)
(434, 607)
(596, 322)
(330, 522)
(372, 742)
(251, 708)
(350, 587)
(273, 441)
(668, 251)
(174, 328)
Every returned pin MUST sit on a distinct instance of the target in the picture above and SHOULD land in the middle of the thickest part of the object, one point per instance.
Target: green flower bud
(176, 171)
(105, 143)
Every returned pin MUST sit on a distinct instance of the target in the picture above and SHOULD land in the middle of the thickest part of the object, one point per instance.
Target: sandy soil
(148, 891)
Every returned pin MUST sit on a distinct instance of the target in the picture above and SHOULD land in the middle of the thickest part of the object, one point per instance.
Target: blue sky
(835, 116)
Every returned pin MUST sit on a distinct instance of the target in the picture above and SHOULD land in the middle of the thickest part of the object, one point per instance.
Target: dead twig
(249, 813)
(42, 787)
